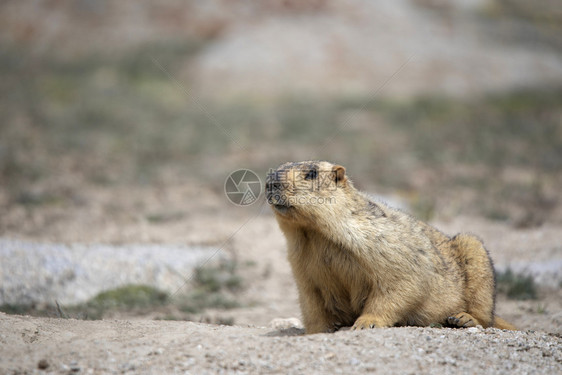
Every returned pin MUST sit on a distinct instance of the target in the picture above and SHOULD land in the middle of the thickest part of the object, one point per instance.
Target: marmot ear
(339, 173)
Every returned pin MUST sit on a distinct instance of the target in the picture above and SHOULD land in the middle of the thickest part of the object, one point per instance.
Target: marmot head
(308, 191)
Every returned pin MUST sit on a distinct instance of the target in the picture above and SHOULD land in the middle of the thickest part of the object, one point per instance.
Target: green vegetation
(495, 130)
(16, 309)
(516, 286)
(121, 119)
(541, 308)
(213, 287)
(126, 298)
(544, 13)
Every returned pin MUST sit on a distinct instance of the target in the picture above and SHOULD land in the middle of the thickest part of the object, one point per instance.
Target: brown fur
(363, 264)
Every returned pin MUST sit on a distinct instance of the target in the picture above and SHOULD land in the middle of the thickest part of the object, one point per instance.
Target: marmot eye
(311, 175)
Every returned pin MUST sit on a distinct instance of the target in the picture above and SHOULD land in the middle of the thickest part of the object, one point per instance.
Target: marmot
(363, 264)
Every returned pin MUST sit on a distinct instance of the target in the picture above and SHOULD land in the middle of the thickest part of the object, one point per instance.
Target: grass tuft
(213, 287)
(516, 286)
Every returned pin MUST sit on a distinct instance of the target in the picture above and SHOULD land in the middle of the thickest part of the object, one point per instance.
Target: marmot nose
(272, 185)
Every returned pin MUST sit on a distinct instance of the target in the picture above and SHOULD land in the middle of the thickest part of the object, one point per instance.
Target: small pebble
(330, 355)
(74, 367)
(354, 361)
(43, 364)
(280, 324)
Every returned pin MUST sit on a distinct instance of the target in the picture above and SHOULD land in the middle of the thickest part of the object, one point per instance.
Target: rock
(281, 324)
(74, 367)
(43, 364)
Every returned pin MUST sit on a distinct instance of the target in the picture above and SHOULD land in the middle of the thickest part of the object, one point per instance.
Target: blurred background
(122, 120)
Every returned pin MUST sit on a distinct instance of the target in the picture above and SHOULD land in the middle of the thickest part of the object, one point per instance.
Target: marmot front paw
(366, 321)
(462, 320)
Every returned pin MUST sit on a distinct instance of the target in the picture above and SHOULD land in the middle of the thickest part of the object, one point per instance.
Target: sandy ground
(147, 347)
(138, 344)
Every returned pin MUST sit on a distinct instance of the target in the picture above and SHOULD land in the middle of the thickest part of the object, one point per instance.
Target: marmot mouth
(282, 209)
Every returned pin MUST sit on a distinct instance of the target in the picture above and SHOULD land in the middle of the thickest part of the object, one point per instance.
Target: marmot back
(363, 264)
